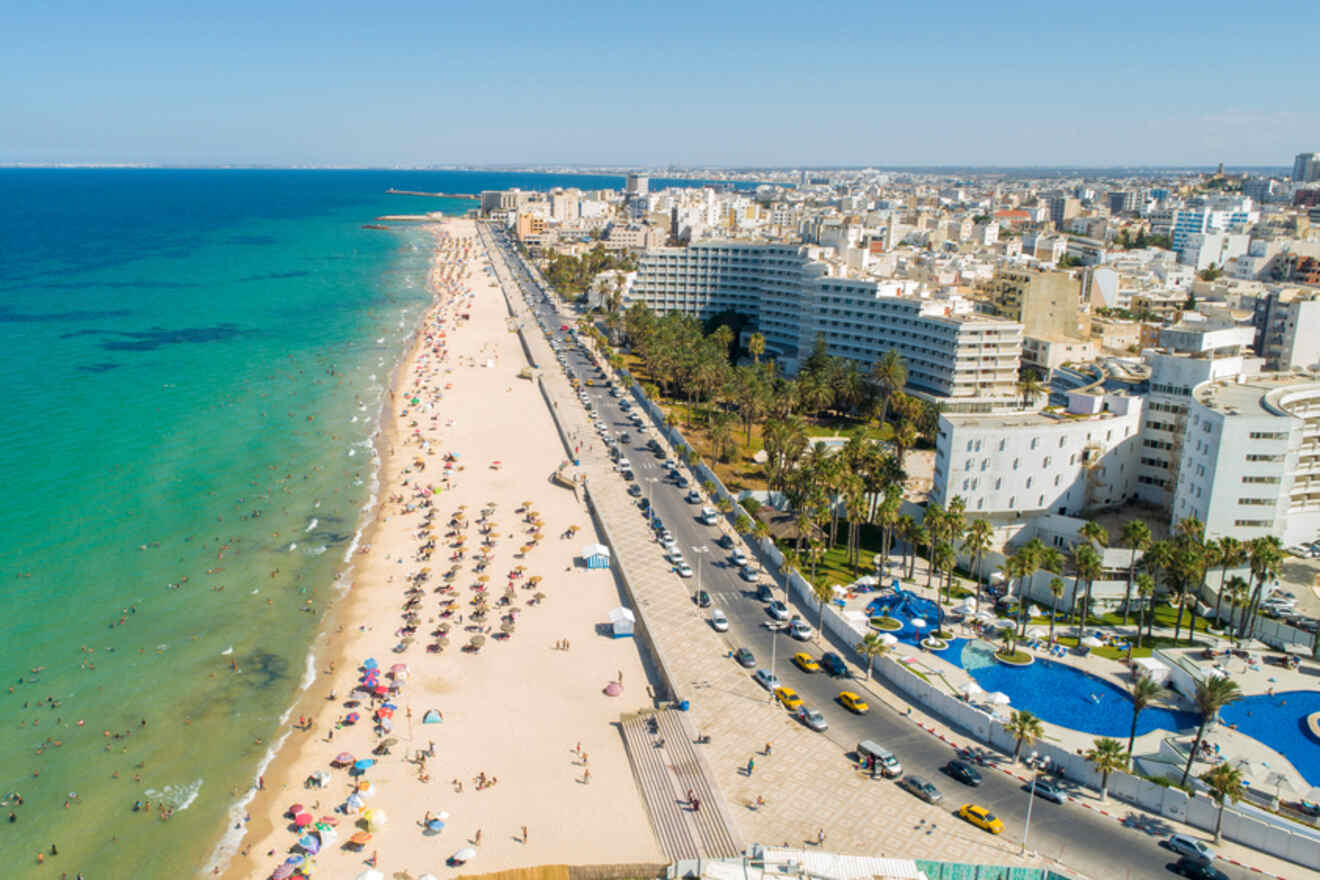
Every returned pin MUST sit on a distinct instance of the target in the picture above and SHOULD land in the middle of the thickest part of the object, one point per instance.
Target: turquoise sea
(192, 365)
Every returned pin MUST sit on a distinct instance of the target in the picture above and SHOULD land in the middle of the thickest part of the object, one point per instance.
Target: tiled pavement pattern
(808, 785)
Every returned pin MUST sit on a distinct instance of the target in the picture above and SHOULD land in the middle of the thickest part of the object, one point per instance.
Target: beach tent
(623, 622)
(596, 556)
(432, 717)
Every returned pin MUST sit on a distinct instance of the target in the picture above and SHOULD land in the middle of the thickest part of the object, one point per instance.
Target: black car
(833, 665)
(745, 658)
(964, 773)
(1048, 790)
(1197, 871)
(725, 542)
(635, 490)
(703, 599)
(765, 594)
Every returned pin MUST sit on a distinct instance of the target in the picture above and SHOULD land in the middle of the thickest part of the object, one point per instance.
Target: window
(1034, 441)
(1011, 502)
(1258, 502)
(1041, 502)
(1276, 458)
(998, 482)
(1028, 482)
(1016, 462)
(1260, 479)
(1268, 435)
(1002, 441)
(1061, 439)
(1254, 523)
(1056, 479)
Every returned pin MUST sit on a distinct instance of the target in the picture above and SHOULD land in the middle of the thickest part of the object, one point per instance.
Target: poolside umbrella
(971, 689)
(1091, 642)
(343, 758)
(888, 639)
(302, 820)
(1279, 781)
(918, 623)
(998, 698)
(1035, 632)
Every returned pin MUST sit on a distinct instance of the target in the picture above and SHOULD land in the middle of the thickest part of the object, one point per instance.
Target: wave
(176, 797)
(236, 827)
(316, 551)
(311, 525)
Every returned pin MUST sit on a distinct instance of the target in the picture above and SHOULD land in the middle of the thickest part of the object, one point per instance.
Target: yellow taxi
(788, 697)
(981, 818)
(853, 702)
(806, 662)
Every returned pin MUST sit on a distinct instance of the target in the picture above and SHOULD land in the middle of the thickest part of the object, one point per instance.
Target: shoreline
(329, 649)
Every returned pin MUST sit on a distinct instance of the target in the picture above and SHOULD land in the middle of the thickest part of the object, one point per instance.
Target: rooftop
(1246, 398)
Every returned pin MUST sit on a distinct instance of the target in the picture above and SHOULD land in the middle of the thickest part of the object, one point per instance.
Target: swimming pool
(904, 606)
(1063, 695)
(1279, 722)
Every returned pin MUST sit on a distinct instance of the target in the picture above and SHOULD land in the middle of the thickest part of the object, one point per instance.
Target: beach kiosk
(622, 622)
(596, 556)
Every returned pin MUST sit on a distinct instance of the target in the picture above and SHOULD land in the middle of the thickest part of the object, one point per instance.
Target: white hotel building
(966, 361)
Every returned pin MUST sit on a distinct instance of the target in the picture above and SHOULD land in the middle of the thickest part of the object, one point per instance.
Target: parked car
(811, 718)
(703, 599)
(693, 497)
(853, 703)
(964, 773)
(788, 698)
(746, 659)
(1197, 870)
(805, 662)
(799, 629)
(625, 464)
(1047, 790)
(921, 788)
(834, 666)
(739, 558)
(724, 541)
(718, 621)
(685, 571)
(766, 679)
(764, 593)
(749, 574)
(778, 610)
(635, 490)
(1190, 848)
(981, 818)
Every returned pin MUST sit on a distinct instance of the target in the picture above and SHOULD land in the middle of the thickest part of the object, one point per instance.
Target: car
(764, 593)
(778, 610)
(964, 773)
(1190, 848)
(921, 788)
(834, 666)
(766, 679)
(667, 543)
(981, 818)
(746, 659)
(635, 490)
(1043, 788)
(674, 556)
(681, 482)
(724, 541)
(853, 703)
(749, 574)
(739, 558)
(645, 504)
(685, 571)
(702, 599)
(788, 698)
(804, 661)
(718, 621)
(709, 516)
(625, 464)
(628, 475)
(811, 718)
(666, 536)
(1197, 870)
(693, 497)
(625, 437)
(799, 629)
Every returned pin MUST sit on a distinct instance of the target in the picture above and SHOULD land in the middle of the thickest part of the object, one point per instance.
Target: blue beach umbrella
(363, 764)
(370, 663)
(310, 843)
(435, 825)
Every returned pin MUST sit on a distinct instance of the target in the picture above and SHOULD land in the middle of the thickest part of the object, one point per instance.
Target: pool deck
(1233, 746)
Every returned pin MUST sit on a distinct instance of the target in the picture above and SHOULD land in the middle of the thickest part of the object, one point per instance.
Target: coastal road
(1094, 844)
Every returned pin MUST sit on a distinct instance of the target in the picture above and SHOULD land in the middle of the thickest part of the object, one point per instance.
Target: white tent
(623, 621)
(1149, 667)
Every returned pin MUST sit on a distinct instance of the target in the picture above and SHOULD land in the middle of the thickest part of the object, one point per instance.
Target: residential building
(1251, 458)
(1122, 201)
(1114, 334)
(1202, 250)
(1069, 462)
(1063, 209)
(964, 359)
(1047, 355)
(1048, 305)
(1306, 167)
(1287, 326)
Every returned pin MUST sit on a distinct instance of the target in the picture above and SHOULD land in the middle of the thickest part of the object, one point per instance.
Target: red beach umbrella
(302, 820)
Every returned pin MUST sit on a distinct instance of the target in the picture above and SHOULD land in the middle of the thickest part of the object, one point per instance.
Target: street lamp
(1031, 800)
(700, 551)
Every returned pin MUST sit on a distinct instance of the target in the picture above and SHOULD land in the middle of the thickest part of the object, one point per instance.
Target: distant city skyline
(766, 85)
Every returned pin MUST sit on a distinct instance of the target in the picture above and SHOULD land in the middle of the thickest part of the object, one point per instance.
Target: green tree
(1265, 557)
(871, 647)
(1136, 535)
(1025, 728)
(1087, 565)
(976, 543)
(1212, 694)
(1143, 692)
(889, 373)
(1106, 755)
(743, 524)
(1231, 554)
(1146, 592)
(756, 346)
(1056, 590)
(1225, 783)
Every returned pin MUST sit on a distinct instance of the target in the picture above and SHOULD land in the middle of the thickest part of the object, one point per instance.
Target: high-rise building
(637, 185)
(1063, 209)
(1306, 167)
(1124, 201)
(1288, 329)
(1046, 304)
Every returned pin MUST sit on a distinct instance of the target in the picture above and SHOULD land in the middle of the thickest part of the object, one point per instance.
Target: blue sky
(769, 83)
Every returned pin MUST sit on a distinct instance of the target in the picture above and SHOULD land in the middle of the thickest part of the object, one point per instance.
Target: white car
(766, 679)
(718, 621)
(685, 570)
(739, 558)
(625, 464)
(798, 629)
(674, 556)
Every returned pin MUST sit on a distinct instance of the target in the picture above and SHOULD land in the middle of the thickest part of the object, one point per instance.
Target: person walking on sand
(820, 837)
(476, 838)
(751, 765)
(524, 836)
(767, 749)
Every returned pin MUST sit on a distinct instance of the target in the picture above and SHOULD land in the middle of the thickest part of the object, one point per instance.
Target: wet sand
(515, 710)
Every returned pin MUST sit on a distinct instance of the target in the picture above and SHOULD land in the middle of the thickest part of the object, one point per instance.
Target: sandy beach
(526, 765)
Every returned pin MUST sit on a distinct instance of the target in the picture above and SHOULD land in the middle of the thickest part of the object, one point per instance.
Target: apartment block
(1048, 305)
(1287, 326)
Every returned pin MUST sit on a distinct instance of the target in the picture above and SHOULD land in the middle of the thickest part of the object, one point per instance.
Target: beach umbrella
(465, 854)
(371, 874)
(354, 801)
(971, 689)
(302, 820)
(328, 820)
(351, 718)
(388, 741)
(294, 809)
(435, 825)
(613, 689)
(383, 712)
(311, 843)
(370, 663)
(1091, 642)
(343, 758)
(360, 838)
(478, 640)
(428, 877)
(295, 859)
(998, 698)
(375, 818)
(283, 872)
(363, 764)
(321, 777)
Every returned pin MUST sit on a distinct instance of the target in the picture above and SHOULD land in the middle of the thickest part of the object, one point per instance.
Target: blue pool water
(903, 606)
(1062, 695)
(1279, 721)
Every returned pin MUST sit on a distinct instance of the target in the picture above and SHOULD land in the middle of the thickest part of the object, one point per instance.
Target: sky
(1023, 83)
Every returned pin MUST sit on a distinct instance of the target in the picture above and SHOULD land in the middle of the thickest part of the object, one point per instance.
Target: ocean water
(191, 364)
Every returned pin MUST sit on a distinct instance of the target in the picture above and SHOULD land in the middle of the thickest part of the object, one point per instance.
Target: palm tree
(1143, 692)
(1025, 728)
(977, 541)
(934, 524)
(918, 536)
(1231, 555)
(1106, 755)
(1266, 559)
(1225, 782)
(889, 373)
(743, 524)
(871, 647)
(1212, 694)
(1237, 589)
(1021, 566)
(1146, 592)
(756, 346)
(1030, 386)
(1136, 535)
(1086, 560)
(823, 593)
(1056, 590)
